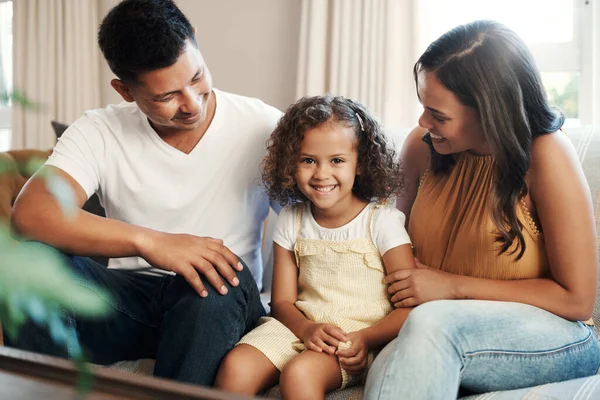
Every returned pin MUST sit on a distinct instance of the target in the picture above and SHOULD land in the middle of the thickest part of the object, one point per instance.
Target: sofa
(585, 139)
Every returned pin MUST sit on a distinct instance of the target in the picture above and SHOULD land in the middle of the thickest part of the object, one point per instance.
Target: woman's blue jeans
(480, 346)
(158, 317)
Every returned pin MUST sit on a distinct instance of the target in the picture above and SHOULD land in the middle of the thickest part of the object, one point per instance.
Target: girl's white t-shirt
(387, 227)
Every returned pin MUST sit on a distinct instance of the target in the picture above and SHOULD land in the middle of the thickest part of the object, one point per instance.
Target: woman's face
(453, 126)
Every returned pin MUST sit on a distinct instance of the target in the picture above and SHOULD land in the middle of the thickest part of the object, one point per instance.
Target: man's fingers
(195, 282)
(227, 254)
(232, 259)
(210, 273)
(398, 275)
(223, 267)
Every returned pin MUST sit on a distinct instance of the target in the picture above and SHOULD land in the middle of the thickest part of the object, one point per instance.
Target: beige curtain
(56, 64)
(362, 49)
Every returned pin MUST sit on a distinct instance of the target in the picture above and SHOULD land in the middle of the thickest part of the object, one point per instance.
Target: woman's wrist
(460, 290)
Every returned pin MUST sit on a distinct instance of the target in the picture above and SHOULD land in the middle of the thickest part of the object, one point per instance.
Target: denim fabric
(158, 317)
(481, 346)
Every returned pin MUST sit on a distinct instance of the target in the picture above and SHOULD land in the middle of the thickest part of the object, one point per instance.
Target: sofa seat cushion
(351, 393)
(583, 388)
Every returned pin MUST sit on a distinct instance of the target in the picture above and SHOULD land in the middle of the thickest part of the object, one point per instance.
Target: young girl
(333, 246)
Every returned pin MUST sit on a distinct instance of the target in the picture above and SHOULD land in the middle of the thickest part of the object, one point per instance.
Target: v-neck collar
(172, 151)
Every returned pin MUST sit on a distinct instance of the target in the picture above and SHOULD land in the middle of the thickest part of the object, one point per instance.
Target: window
(6, 78)
(554, 30)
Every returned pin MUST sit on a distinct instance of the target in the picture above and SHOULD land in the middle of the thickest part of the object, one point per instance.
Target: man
(177, 169)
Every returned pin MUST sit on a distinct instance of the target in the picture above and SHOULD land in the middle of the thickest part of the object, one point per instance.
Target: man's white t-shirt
(215, 190)
(387, 228)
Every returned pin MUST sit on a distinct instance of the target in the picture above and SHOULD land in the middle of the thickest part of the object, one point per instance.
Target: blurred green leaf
(17, 97)
(29, 268)
(36, 282)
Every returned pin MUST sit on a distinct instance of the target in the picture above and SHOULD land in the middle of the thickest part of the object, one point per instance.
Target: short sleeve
(79, 152)
(388, 229)
(285, 229)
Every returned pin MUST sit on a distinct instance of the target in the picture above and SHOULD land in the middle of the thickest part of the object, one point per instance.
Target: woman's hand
(323, 338)
(411, 287)
(354, 359)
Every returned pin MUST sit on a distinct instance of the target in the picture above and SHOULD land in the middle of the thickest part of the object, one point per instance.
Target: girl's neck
(340, 214)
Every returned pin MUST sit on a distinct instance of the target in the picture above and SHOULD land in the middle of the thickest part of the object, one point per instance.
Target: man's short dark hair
(143, 35)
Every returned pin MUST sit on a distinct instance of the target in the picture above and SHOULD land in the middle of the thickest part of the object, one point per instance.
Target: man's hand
(354, 359)
(191, 257)
(323, 337)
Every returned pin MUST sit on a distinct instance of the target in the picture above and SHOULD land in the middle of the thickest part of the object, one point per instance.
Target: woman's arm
(562, 201)
(317, 337)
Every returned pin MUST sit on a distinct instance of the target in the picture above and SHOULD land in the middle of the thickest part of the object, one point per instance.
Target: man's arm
(37, 215)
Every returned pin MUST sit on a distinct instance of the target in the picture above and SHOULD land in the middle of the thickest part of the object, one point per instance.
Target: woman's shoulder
(553, 157)
(552, 149)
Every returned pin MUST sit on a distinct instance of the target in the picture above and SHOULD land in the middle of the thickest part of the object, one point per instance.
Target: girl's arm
(380, 334)
(562, 200)
(317, 337)
(285, 291)
(354, 359)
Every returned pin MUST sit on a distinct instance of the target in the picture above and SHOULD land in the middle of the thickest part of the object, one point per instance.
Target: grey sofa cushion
(583, 389)
(587, 143)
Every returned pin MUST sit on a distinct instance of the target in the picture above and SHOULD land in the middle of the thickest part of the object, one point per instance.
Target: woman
(502, 223)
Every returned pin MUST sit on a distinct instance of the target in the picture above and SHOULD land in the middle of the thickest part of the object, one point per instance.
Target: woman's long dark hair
(489, 67)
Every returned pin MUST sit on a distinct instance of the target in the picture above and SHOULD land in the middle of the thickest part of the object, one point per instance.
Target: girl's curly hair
(381, 176)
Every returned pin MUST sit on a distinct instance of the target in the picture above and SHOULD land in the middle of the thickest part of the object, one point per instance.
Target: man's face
(178, 97)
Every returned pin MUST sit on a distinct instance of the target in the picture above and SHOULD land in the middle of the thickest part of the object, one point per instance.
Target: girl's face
(327, 166)
(453, 126)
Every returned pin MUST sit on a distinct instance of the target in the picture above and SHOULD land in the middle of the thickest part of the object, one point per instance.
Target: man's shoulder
(113, 112)
(250, 107)
(108, 121)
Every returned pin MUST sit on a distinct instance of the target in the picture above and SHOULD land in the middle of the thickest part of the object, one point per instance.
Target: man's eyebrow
(160, 96)
(199, 73)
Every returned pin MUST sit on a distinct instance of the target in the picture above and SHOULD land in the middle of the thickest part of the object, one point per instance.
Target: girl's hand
(323, 337)
(354, 359)
(411, 287)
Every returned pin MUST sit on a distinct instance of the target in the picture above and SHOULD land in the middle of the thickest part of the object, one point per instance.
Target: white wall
(250, 47)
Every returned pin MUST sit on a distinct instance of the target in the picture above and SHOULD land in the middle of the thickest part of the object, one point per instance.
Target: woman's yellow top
(451, 225)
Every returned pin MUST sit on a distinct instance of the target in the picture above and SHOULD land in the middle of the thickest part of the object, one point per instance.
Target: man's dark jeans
(158, 317)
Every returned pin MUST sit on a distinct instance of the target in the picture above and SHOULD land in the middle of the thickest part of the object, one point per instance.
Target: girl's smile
(324, 190)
